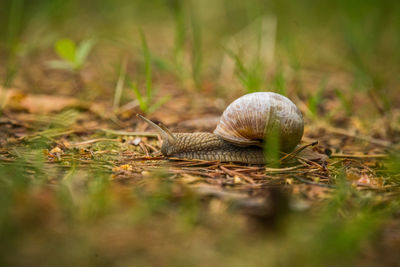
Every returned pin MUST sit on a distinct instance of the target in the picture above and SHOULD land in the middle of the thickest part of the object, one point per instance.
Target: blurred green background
(311, 49)
(191, 39)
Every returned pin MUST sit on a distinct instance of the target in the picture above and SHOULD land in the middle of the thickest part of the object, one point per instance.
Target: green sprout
(252, 77)
(345, 100)
(146, 99)
(73, 56)
(315, 100)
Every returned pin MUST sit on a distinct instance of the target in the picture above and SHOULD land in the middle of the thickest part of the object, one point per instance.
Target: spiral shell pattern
(251, 118)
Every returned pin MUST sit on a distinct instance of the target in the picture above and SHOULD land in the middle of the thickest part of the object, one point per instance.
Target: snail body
(240, 134)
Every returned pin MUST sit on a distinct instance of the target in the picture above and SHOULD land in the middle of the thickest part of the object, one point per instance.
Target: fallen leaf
(36, 103)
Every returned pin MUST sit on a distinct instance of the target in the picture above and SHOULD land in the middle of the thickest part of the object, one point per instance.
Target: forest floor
(98, 175)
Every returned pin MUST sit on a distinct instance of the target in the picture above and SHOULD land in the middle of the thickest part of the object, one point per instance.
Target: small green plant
(345, 101)
(252, 77)
(146, 99)
(279, 82)
(73, 56)
(315, 100)
(250, 57)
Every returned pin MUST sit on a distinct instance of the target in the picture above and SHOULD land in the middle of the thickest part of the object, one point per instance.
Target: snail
(239, 136)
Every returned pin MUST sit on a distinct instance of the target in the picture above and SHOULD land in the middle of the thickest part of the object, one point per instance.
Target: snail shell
(251, 118)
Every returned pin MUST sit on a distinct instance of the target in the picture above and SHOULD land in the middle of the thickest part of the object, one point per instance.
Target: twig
(283, 170)
(297, 151)
(88, 142)
(192, 162)
(151, 147)
(143, 147)
(53, 140)
(359, 156)
(233, 173)
(142, 134)
(193, 172)
(38, 135)
(147, 158)
(310, 162)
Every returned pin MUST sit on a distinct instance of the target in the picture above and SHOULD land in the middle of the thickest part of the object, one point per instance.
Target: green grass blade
(197, 53)
(83, 51)
(159, 103)
(147, 62)
(142, 100)
(120, 84)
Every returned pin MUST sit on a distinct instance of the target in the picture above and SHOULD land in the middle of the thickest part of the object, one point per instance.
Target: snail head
(167, 136)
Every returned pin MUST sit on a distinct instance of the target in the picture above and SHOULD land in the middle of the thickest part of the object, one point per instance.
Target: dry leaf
(36, 103)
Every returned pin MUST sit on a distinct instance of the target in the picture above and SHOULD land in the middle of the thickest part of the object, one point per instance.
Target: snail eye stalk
(165, 133)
